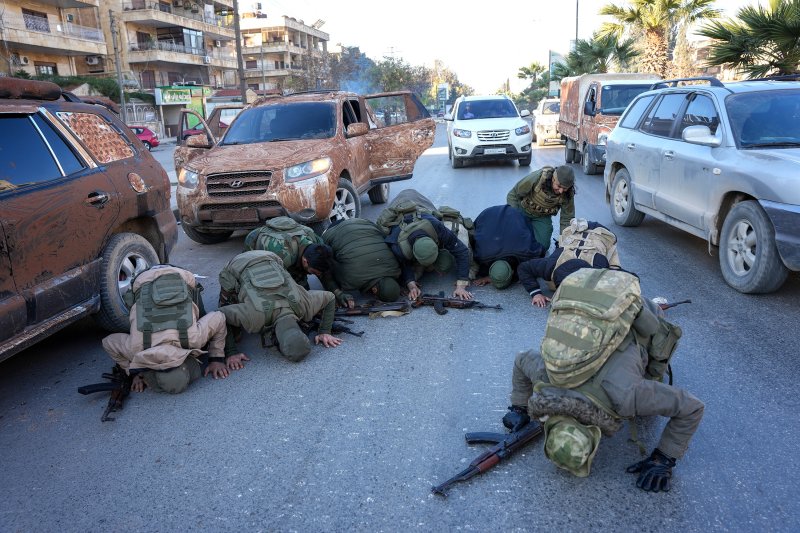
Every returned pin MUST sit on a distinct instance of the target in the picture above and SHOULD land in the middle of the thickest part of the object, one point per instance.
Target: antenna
(318, 24)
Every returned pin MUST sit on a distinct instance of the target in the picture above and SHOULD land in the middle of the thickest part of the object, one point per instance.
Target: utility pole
(239, 59)
(114, 30)
(263, 73)
(576, 23)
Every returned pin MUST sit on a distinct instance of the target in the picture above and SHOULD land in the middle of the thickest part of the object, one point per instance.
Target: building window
(35, 20)
(251, 64)
(174, 78)
(148, 79)
(45, 69)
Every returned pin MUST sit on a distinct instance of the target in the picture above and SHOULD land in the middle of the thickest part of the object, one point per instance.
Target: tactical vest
(260, 277)
(591, 314)
(580, 242)
(410, 224)
(165, 303)
(540, 203)
(395, 214)
(362, 256)
(282, 233)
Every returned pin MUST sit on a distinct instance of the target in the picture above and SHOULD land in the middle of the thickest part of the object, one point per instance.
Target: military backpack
(591, 314)
(580, 242)
(165, 303)
(281, 232)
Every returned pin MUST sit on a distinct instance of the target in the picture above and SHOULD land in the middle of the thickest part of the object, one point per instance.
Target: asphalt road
(353, 438)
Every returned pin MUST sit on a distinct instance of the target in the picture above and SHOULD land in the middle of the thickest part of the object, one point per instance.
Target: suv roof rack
(779, 77)
(714, 82)
(314, 91)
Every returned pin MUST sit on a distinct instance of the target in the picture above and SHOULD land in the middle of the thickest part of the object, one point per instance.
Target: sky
(485, 44)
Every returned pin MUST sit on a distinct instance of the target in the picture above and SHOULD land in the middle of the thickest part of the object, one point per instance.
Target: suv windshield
(476, 109)
(765, 119)
(283, 122)
(551, 108)
(615, 98)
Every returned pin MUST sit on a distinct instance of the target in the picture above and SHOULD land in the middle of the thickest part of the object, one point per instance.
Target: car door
(13, 312)
(221, 117)
(184, 153)
(408, 131)
(61, 208)
(646, 149)
(687, 170)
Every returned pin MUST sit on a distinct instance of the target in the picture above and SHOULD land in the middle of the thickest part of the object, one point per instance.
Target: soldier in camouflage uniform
(628, 384)
(540, 195)
(301, 250)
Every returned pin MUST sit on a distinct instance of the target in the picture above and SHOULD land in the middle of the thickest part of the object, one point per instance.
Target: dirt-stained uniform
(289, 246)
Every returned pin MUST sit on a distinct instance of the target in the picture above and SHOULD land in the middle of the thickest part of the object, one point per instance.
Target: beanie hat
(565, 176)
(501, 274)
(425, 251)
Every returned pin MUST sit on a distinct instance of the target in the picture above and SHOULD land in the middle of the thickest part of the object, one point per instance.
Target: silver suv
(720, 161)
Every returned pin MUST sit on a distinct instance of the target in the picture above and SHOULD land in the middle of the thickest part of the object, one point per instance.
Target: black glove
(654, 472)
(516, 418)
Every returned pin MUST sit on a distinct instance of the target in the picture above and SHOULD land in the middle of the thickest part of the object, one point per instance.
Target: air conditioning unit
(92, 60)
(207, 59)
(24, 60)
(218, 44)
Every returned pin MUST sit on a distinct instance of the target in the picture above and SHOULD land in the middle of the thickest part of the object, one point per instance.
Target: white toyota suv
(482, 128)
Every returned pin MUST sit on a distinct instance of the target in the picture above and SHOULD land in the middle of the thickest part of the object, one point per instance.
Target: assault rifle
(373, 307)
(505, 444)
(119, 384)
(338, 326)
(441, 301)
(665, 305)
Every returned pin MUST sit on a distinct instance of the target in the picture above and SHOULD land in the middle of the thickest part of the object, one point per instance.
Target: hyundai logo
(235, 184)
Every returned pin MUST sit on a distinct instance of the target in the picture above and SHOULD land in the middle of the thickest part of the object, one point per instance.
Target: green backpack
(280, 232)
(165, 303)
(591, 314)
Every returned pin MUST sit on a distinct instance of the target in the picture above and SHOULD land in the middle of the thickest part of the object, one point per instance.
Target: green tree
(598, 54)
(537, 90)
(761, 41)
(657, 22)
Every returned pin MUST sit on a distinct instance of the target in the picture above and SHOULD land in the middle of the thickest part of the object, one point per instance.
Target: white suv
(483, 128)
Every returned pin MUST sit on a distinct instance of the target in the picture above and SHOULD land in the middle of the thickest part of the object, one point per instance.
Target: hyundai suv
(308, 155)
(485, 128)
(719, 161)
(84, 207)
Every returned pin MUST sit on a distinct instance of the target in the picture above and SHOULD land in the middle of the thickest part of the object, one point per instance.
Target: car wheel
(206, 237)
(379, 194)
(622, 210)
(589, 168)
(748, 255)
(346, 203)
(449, 152)
(526, 161)
(148, 145)
(569, 154)
(125, 256)
(455, 162)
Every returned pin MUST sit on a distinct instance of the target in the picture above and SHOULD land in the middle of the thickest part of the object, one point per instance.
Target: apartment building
(277, 49)
(51, 37)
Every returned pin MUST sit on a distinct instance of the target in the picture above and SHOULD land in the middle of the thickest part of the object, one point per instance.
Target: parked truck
(591, 105)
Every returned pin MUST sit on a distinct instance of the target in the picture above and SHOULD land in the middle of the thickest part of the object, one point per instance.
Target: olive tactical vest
(540, 203)
(260, 277)
(163, 304)
(410, 224)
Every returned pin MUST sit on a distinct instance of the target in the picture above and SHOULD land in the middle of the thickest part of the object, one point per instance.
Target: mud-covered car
(83, 208)
(307, 155)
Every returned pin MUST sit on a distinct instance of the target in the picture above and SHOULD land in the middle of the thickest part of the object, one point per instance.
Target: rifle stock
(119, 385)
(368, 309)
(504, 446)
(666, 306)
(440, 302)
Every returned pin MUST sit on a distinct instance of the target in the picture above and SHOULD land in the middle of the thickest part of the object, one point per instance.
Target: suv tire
(148, 146)
(125, 256)
(206, 237)
(526, 161)
(569, 154)
(748, 255)
(379, 194)
(588, 167)
(622, 210)
(454, 161)
(346, 204)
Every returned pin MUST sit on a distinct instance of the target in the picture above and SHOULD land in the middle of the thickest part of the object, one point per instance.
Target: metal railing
(43, 25)
(168, 46)
(199, 15)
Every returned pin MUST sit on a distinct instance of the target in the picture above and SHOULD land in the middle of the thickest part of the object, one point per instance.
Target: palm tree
(762, 41)
(598, 54)
(656, 21)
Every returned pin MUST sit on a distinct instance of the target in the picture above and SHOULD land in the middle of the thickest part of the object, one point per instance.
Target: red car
(146, 135)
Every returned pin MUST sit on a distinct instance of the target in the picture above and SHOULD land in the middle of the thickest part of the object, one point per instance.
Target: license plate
(235, 215)
(491, 151)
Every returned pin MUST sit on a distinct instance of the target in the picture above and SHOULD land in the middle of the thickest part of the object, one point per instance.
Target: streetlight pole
(576, 22)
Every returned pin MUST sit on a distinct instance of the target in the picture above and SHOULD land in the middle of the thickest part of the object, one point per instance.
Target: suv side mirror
(448, 116)
(198, 141)
(356, 129)
(525, 113)
(588, 108)
(700, 135)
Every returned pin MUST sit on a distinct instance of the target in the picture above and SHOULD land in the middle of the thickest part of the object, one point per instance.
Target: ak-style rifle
(119, 384)
(441, 301)
(664, 306)
(373, 307)
(505, 444)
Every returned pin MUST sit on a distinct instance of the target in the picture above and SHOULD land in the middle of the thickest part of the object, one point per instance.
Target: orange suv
(84, 207)
(307, 155)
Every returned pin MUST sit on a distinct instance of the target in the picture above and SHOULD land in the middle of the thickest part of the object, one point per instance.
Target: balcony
(68, 4)
(159, 15)
(49, 36)
(167, 52)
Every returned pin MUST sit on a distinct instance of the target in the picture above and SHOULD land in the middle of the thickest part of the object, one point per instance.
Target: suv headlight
(523, 130)
(306, 170)
(464, 134)
(188, 178)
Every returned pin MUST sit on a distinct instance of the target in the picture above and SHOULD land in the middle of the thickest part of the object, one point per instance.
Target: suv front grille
(493, 135)
(242, 205)
(238, 183)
